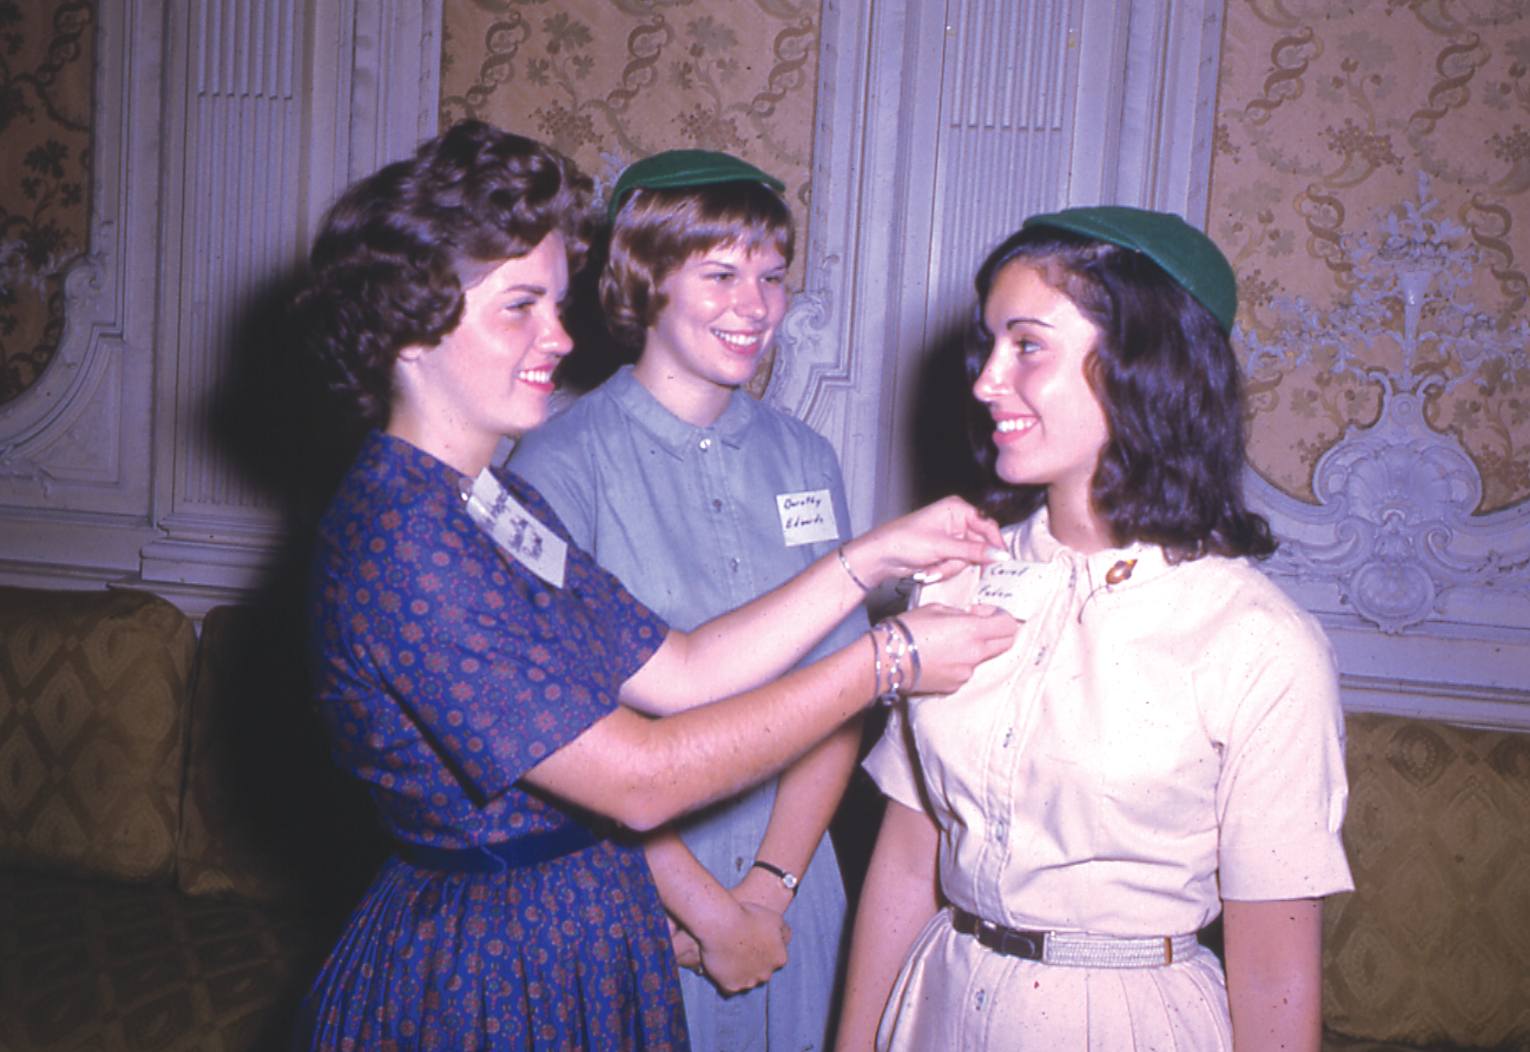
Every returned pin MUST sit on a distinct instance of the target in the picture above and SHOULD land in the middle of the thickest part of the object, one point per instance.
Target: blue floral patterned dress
(445, 672)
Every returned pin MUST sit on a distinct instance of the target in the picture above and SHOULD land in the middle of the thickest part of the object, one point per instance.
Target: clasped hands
(745, 948)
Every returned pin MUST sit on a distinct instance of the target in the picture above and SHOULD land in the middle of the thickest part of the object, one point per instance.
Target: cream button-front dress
(1159, 737)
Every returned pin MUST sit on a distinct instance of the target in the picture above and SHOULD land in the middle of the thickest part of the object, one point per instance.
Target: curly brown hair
(658, 230)
(397, 250)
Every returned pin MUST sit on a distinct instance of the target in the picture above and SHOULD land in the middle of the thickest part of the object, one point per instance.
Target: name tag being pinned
(1016, 586)
(515, 529)
(807, 517)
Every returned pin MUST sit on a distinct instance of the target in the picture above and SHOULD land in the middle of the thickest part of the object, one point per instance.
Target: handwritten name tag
(807, 517)
(1016, 586)
(516, 530)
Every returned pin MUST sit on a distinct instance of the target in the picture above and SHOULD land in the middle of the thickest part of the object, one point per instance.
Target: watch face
(790, 881)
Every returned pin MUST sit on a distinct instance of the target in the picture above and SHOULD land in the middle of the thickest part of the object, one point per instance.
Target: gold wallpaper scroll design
(609, 81)
(46, 58)
(1328, 115)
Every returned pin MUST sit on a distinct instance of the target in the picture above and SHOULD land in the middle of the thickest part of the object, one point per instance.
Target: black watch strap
(788, 880)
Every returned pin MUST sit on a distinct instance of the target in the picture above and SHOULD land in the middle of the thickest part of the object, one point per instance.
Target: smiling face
(1049, 427)
(721, 309)
(490, 376)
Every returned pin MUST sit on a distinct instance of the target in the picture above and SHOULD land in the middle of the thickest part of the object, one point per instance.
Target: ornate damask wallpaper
(610, 81)
(45, 86)
(1371, 182)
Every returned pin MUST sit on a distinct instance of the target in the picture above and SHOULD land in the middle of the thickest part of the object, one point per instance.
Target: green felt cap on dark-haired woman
(674, 169)
(1188, 256)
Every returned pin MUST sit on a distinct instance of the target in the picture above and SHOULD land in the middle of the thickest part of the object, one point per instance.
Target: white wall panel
(223, 129)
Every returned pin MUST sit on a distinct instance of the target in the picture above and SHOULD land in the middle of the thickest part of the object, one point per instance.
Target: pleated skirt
(568, 954)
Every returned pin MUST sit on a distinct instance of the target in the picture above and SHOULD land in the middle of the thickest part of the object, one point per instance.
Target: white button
(706, 444)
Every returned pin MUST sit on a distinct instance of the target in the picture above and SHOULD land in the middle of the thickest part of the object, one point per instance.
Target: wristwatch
(789, 881)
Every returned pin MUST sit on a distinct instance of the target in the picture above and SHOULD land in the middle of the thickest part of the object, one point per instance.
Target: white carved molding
(74, 443)
(262, 110)
(1428, 601)
(939, 128)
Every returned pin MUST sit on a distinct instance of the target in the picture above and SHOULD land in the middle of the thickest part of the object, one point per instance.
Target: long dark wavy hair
(398, 249)
(1165, 374)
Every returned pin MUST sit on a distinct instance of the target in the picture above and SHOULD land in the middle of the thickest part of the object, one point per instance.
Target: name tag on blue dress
(807, 517)
(516, 530)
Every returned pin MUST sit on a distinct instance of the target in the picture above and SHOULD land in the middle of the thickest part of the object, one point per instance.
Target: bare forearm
(646, 772)
(760, 639)
(900, 896)
(1274, 986)
(806, 797)
(692, 895)
(768, 635)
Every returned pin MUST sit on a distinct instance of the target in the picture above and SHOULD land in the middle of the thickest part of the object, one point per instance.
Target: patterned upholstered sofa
(176, 851)
(1432, 950)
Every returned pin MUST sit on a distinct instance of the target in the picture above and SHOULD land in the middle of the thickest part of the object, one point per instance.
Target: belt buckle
(1014, 943)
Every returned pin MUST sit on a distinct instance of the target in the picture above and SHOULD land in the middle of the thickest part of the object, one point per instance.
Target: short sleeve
(1282, 791)
(497, 668)
(892, 764)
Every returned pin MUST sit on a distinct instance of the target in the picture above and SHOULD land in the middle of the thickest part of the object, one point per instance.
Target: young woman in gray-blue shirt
(700, 498)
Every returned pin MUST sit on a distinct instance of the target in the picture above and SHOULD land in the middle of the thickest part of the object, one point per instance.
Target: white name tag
(516, 530)
(807, 517)
(1016, 586)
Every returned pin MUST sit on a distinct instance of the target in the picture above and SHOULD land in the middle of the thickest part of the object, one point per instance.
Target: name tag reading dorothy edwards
(516, 530)
(807, 517)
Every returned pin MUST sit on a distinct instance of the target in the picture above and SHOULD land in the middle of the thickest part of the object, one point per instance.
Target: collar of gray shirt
(676, 435)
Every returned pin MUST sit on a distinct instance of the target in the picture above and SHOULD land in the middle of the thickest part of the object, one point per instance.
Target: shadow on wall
(940, 461)
(273, 415)
(937, 448)
(301, 826)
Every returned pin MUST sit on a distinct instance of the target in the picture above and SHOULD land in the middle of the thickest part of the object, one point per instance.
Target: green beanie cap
(1188, 256)
(673, 169)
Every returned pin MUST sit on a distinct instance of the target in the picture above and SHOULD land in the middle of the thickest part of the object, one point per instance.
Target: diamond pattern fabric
(1433, 947)
(92, 730)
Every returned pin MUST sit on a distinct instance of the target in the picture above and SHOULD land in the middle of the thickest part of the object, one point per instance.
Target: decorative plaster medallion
(1394, 530)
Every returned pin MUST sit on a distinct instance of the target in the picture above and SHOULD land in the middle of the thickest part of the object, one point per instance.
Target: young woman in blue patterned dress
(480, 674)
(695, 282)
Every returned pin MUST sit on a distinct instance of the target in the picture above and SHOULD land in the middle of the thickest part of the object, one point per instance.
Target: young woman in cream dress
(1161, 744)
